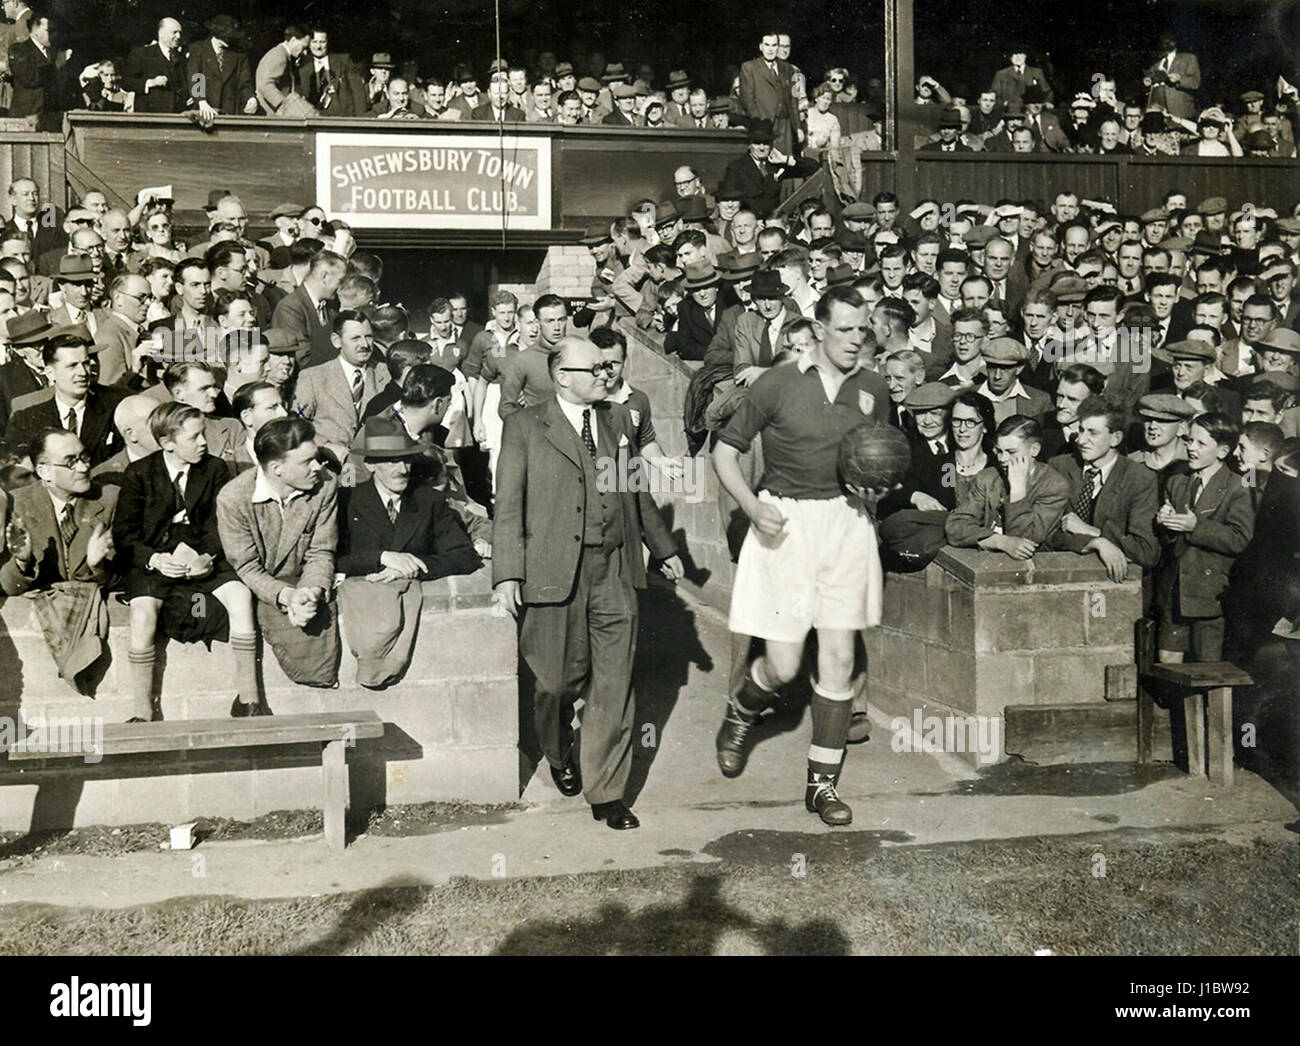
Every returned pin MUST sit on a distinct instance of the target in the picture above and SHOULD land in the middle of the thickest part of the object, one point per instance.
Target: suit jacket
(46, 239)
(426, 527)
(98, 436)
(768, 95)
(753, 341)
(511, 114)
(1034, 403)
(929, 473)
(343, 90)
(16, 379)
(1033, 517)
(142, 525)
(1124, 511)
(1048, 133)
(270, 551)
(1180, 98)
(297, 314)
(613, 119)
(146, 62)
(536, 534)
(54, 562)
(38, 85)
(225, 438)
(96, 317)
(276, 78)
(937, 147)
(1010, 88)
(324, 397)
(762, 192)
(117, 342)
(1201, 560)
(694, 330)
(227, 89)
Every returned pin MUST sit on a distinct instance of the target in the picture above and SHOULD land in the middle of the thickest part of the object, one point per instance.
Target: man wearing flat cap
(1163, 417)
(1004, 359)
(393, 534)
(624, 114)
(225, 73)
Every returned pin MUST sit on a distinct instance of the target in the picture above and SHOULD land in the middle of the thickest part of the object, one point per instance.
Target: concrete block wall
(976, 632)
(695, 517)
(451, 725)
(567, 271)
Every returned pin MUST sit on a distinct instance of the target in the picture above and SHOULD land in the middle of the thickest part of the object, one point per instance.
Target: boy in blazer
(1205, 522)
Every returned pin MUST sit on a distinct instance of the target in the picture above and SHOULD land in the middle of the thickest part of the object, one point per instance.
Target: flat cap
(280, 342)
(1251, 96)
(621, 90)
(286, 210)
(1282, 339)
(563, 69)
(1283, 379)
(1290, 226)
(858, 211)
(853, 240)
(1004, 352)
(1156, 214)
(979, 235)
(933, 395)
(1067, 287)
(588, 83)
(1214, 205)
(1191, 349)
(1164, 406)
(1276, 269)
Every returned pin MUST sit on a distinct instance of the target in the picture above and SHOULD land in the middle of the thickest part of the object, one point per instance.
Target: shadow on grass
(394, 899)
(700, 924)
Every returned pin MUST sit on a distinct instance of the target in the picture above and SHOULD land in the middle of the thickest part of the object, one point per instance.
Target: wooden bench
(1206, 691)
(336, 731)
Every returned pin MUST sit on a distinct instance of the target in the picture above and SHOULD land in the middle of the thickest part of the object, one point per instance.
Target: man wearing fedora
(393, 534)
(224, 73)
(698, 315)
(1049, 136)
(679, 95)
(23, 373)
(566, 562)
(949, 140)
(76, 281)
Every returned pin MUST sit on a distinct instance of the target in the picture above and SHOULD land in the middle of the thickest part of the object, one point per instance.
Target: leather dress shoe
(616, 815)
(567, 779)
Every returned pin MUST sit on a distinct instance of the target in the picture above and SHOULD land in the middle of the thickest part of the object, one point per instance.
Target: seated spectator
(1014, 507)
(278, 528)
(1204, 522)
(928, 483)
(131, 419)
(253, 405)
(60, 552)
(333, 395)
(73, 402)
(166, 530)
(394, 533)
(1112, 499)
(196, 385)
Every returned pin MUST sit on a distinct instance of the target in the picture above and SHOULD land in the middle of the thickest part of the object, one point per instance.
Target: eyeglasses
(316, 221)
(595, 370)
(966, 338)
(966, 423)
(80, 461)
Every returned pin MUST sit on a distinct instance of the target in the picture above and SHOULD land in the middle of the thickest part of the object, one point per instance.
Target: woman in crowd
(154, 232)
(161, 274)
(1216, 134)
(823, 125)
(973, 428)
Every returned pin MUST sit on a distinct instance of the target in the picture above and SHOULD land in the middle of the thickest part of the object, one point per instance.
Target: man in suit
(497, 108)
(156, 72)
(1004, 359)
(757, 335)
(131, 419)
(949, 140)
(1174, 78)
(118, 333)
(765, 94)
(333, 395)
(330, 80)
(24, 371)
(393, 534)
(278, 527)
(1049, 137)
(464, 330)
(16, 29)
(73, 402)
(195, 384)
(167, 500)
(751, 174)
(698, 315)
(399, 105)
(276, 80)
(75, 282)
(61, 552)
(26, 216)
(1113, 499)
(1009, 84)
(39, 77)
(571, 575)
(224, 73)
(624, 112)
(308, 313)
